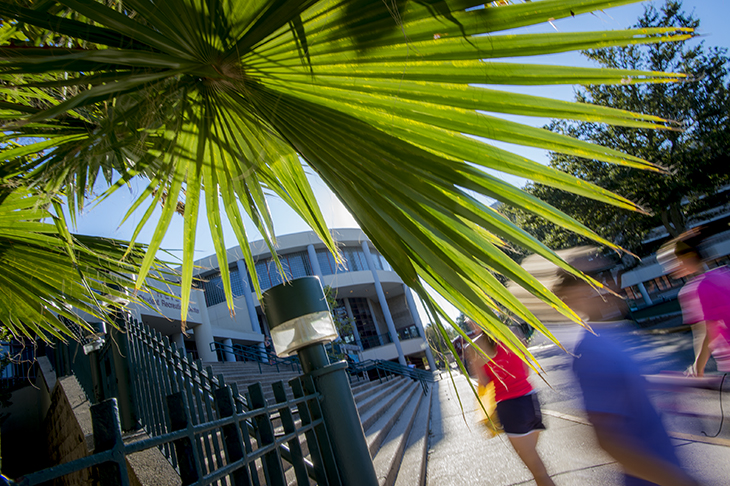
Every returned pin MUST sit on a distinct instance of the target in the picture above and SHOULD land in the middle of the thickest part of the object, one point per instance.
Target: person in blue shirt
(626, 424)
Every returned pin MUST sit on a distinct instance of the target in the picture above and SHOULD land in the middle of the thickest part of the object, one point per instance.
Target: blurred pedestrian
(626, 424)
(705, 300)
(518, 409)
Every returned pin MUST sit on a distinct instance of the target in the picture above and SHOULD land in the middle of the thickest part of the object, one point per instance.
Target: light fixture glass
(96, 340)
(302, 331)
(298, 315)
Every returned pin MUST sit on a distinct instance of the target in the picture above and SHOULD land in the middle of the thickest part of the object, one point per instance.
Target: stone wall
(68, 429)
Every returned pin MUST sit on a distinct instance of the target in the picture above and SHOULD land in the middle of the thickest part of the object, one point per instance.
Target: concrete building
(368, 291)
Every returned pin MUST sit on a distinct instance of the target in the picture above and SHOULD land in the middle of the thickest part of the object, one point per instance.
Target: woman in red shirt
(517, 406)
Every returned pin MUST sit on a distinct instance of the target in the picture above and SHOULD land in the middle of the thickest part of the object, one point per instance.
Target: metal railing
(160, 369)
(17, 364)
(245, 461)
(258, 355)
(266, 434)
(383, 367)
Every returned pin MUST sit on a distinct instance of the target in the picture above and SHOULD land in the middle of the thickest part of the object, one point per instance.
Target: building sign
(169, 306)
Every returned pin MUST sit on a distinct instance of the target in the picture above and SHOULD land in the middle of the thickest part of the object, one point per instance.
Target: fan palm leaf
(222, 101)
(51, 277)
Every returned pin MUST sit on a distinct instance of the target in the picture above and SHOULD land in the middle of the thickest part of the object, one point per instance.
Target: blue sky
(105, 219)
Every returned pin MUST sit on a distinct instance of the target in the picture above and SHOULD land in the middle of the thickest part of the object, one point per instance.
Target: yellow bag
(489, 422)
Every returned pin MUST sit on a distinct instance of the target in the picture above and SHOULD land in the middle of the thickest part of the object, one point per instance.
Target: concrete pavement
(459, 453)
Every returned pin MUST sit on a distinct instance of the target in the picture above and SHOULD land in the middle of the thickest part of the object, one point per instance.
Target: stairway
(245, 373)
(394, 415)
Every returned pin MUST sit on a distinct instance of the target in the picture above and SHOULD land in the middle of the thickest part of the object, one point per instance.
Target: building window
(295, 265)
(213, 287)
(262, 271)
(326, 262)
(355, 259)
(365, 323)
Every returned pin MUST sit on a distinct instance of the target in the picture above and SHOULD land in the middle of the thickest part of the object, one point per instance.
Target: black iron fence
(206, 429)
(244, 460)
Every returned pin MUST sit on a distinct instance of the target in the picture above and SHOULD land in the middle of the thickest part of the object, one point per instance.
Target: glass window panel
(362, 260)
(213, 290)
(326, 262)
(384, 263)
(299, 265)
(274, 276)
(377, 260)
(262, 271)
(236, 283)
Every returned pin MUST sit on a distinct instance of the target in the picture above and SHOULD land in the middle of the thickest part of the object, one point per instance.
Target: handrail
(254, 353)
(422, 376)
(172, 369)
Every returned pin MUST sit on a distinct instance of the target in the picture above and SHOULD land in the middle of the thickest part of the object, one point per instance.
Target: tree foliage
(221, 101)
(694, 150)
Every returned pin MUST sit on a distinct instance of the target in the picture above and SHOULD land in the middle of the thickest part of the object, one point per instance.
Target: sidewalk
(459, 454)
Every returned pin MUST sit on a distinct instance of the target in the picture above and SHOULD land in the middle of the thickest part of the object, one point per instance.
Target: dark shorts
(521, 415)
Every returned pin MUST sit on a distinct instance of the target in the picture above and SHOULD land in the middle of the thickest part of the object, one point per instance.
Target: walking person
(518, 409)
(704, 300)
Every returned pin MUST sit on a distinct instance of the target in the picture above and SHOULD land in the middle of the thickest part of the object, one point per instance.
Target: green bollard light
(300, 322)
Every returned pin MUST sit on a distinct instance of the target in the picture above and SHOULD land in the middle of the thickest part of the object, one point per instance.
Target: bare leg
(703, 356)
(526, 448)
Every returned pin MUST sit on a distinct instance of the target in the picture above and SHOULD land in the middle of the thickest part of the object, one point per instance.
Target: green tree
(694, 150)
(224, 101)
(439, 346)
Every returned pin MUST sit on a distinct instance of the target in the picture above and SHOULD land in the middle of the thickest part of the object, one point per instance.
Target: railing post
(108, 436)
(287, 422)
(120, 358)
(184, 449)
(271, 460)
(320, 449)
(231, 435)
(340, 415)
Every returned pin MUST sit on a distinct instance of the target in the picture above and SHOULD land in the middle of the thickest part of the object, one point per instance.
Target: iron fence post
(120, 353)
(231, 435)
(340, 415)
(184, 450)
(95, 368)
(108, 436)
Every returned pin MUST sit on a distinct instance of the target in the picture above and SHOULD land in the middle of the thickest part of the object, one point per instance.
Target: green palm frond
(217, 101)
(50, 274)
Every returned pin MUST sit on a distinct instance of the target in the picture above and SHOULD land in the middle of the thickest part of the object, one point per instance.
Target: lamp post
(92, 344)
(300, 322)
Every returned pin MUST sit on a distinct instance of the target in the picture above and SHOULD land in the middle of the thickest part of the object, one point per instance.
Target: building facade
(366, 290)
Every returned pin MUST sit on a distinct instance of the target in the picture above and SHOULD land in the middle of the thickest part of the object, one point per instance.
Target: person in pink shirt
(517, 406)
(705, 300)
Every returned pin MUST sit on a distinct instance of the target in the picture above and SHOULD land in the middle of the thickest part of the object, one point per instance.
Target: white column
(204, 332)
(383, 303)
(419, 325)
(179, 341)
(644, 293)
(313, 260)
(350, 316)
(247, 294)
(228, 350)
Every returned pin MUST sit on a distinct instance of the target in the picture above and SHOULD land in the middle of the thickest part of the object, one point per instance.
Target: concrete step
(363, 391)
(412, 471)
(382, 398)
(389, 458)
(388, 412)
(394, 415)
